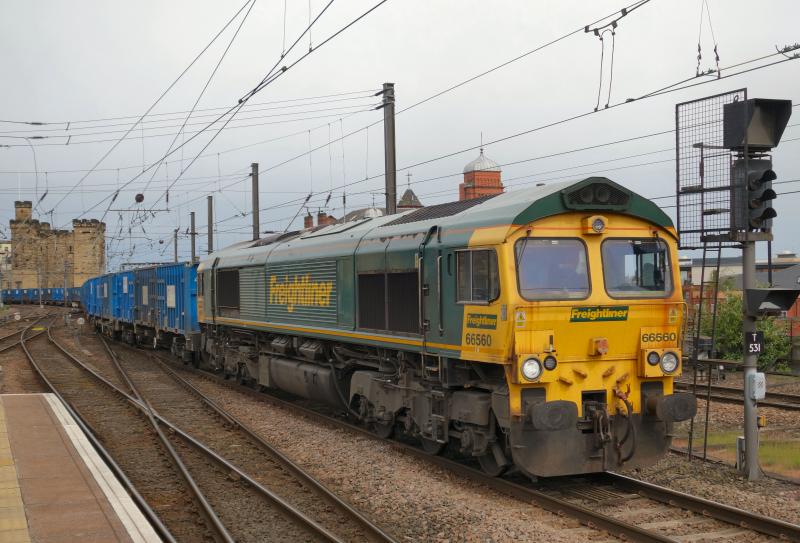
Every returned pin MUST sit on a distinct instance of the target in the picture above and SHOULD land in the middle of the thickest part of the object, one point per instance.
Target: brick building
(481, 178)
(41, 256)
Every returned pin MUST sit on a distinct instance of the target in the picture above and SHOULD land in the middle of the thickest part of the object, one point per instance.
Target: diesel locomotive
(538, 329)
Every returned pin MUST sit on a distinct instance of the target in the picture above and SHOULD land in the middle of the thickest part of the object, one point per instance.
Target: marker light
(532, 369)
(669, 362)
(550, 363)
(598, 225)
(653, 358)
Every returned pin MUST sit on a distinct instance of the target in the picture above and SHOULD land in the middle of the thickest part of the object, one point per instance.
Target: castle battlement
(41, 254)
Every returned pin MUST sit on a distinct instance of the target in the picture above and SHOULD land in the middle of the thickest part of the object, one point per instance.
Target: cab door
(431, 288)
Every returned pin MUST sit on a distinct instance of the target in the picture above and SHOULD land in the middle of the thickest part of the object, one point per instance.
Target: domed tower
(481, 178)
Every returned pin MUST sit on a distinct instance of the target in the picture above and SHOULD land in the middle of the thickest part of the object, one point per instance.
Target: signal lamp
(550, 363)
(653, 358)
(752, 194)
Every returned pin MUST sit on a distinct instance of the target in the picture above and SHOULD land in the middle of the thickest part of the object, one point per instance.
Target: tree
(730, 342)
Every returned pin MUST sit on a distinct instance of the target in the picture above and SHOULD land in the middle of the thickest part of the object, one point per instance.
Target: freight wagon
(155, 306)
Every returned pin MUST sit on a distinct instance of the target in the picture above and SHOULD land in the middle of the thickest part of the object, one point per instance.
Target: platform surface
(54, 487)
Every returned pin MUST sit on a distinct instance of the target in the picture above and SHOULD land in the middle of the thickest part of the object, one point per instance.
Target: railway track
(124, 435)
(624, 507)
(735, 395)
(247, 510)
(17, 374)
(12, 339)
(299, 494)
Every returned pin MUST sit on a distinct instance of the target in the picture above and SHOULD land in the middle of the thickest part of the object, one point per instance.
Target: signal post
(724, 189)
(752, 128)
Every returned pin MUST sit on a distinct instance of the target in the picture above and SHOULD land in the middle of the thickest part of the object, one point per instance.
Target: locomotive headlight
(598, 225)
(669, 362)
(653, 358)
(532, 369)
(550, 363)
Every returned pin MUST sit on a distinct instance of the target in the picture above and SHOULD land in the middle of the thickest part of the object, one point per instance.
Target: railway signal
(756, 193)
(751, 129)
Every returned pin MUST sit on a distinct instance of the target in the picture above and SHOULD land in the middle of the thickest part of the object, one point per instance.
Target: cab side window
(477, 277)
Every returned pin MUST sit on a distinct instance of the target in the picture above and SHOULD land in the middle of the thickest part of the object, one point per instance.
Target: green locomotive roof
(593, 194)
(596, 194)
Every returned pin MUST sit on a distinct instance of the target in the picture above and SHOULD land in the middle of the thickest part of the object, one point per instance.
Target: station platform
(54, 486)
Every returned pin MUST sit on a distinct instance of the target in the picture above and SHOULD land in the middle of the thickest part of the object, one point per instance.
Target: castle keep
(41, 256)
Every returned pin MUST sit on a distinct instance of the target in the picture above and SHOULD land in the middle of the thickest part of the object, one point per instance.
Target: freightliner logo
(598, 313)
(299, 291)
(482, 320)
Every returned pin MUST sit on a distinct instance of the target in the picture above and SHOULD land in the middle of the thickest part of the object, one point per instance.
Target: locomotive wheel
(431, 446)
(489, 464)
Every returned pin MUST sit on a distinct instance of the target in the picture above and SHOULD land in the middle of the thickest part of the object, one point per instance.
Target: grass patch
(780, 455)
(777, 453)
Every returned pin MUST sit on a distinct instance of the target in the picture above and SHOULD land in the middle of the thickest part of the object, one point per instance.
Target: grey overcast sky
(91, 62)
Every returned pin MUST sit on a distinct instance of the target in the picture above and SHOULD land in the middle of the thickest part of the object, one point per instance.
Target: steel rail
(732, 515)
(30, 319)
(777, 400)
(21, 332)
(208, 511)
(560, 507)
(287, 463)
(144, 507)
(141, 403)
(717, 511)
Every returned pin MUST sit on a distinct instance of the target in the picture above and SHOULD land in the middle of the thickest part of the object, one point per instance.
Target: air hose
(345, 403)
(630, 429)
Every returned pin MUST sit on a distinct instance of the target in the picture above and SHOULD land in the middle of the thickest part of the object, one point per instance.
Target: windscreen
(636, 268)
(552, 269)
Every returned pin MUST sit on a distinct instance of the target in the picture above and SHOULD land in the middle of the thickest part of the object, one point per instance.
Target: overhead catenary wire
(200, 112)
(333, 112)
(205, 87)
(630, 8)
(232, 111)
(295, 201)
(273, 76)
(158, 100)
(661, 91)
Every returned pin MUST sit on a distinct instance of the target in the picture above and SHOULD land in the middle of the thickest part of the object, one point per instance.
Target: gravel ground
(16, 374)
(724, 484)
(416, 502)
(730, 415)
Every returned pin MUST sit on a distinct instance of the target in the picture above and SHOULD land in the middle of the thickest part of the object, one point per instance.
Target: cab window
(552, 269)
(636, 268)
(477, 277)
